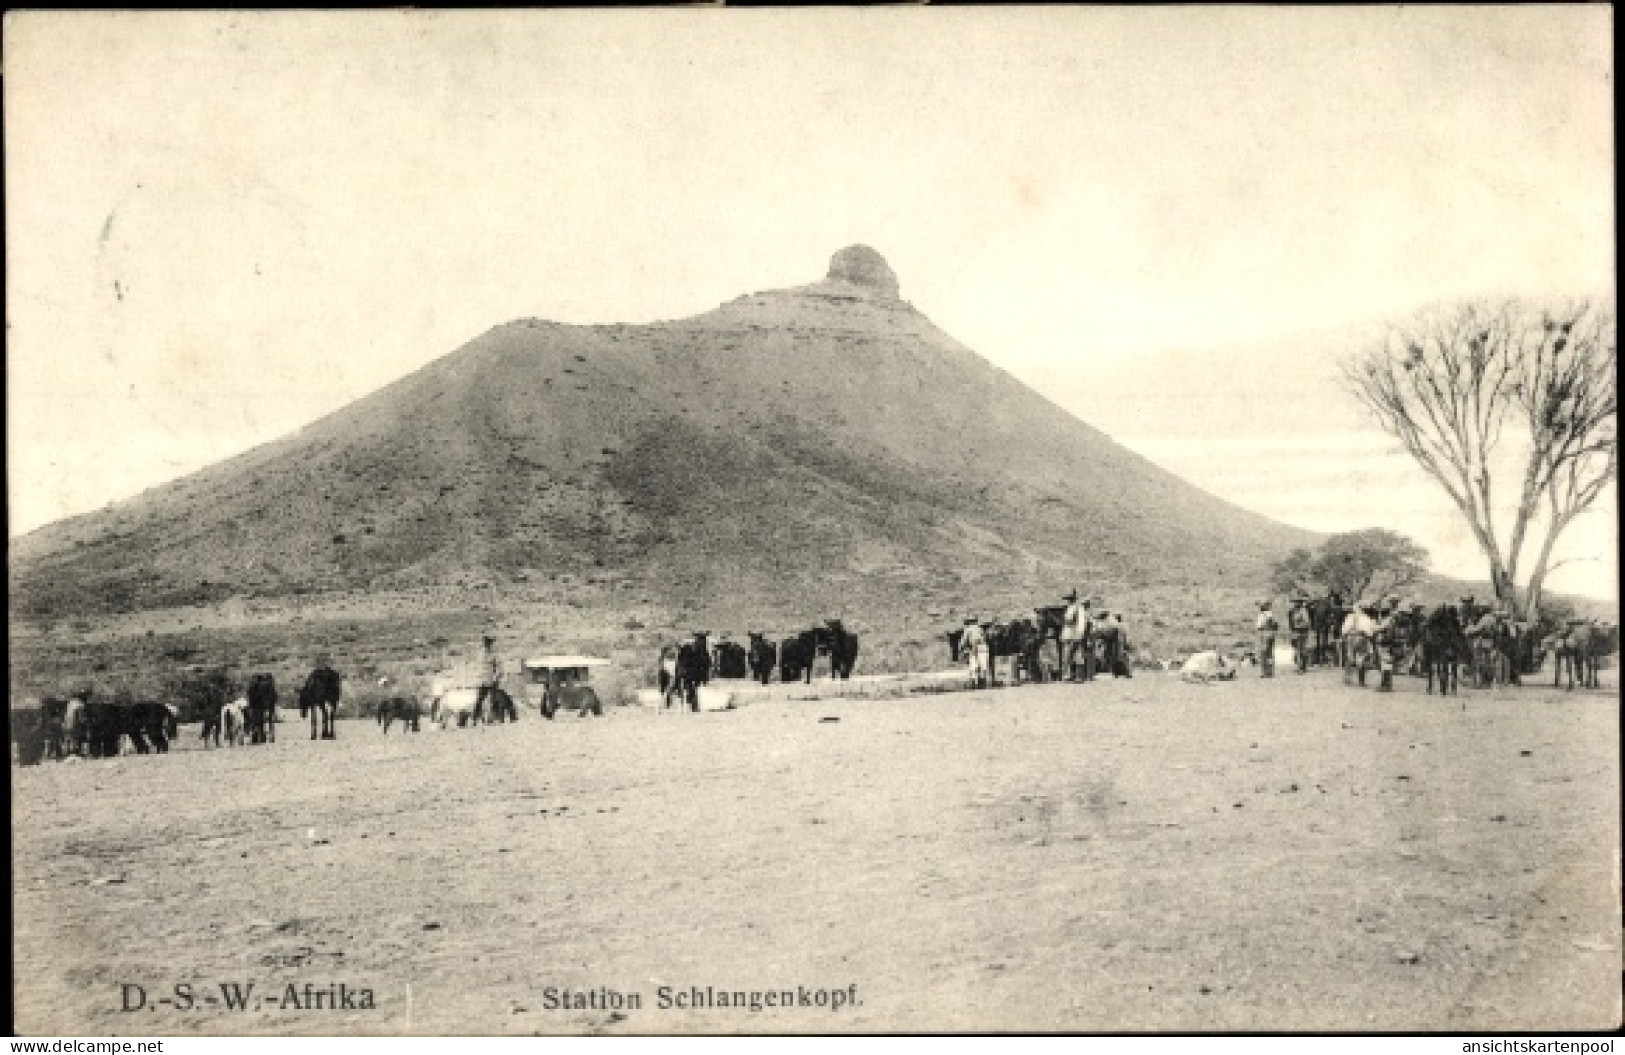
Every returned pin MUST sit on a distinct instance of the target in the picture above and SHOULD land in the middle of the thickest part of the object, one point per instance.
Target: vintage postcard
(696, 521)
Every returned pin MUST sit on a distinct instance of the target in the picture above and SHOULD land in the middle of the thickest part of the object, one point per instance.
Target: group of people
(1093, 639)
(1387, 633)
(1090, 640)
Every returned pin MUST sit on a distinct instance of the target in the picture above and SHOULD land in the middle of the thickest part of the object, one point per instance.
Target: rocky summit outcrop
(861, 266)
(820, 449)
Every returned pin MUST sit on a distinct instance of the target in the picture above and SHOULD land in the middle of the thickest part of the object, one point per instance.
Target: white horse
(234, 721)
(454, 705)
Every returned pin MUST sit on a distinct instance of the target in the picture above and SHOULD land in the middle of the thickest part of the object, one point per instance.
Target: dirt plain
(1135, 854)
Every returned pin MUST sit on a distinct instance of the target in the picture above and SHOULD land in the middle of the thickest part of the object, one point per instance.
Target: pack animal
(729, 660)
(319, 698)
(1444, 649)
(1327, 614)
(109, 721)
(233, 721)
(403, 709)
(763, 658)
(261, 710)
(796, 655)
(1018, 640)
(839, 644)
(693, 670)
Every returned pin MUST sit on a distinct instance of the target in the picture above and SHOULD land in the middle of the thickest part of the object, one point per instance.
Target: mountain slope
(824, 448)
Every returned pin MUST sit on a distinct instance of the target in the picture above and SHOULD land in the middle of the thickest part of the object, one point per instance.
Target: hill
(789, 455)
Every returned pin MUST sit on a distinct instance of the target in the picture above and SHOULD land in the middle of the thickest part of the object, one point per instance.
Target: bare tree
(1448, 383)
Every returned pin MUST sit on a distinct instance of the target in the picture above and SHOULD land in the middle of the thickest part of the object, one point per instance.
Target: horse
(502, 706)
(1579, 649)
(763, 657)
(403, 709)
(28, 731)
(693, 670)
(729, 660)
(109, 721)
(1020, 640)
(75, 729)
(1326, 618)
(261, 710)
(233, 720)
(319, 697)
(796, 656)
(1444, 649)
(839, 644)
(1356, 647)
(1110, 642)
(461, 705)
(53, 713)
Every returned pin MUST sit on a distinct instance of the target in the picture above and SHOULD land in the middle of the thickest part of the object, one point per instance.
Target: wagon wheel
(549, 706)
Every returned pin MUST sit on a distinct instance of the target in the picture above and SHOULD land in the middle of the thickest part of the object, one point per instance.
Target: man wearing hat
(1300, 623)
(1074, 635)
(974, 647)
(1481, 635)
(1266, 625)
(1385, 642)
(490, 674)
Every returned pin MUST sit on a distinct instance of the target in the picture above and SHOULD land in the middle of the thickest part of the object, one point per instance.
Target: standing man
(490, 677)
(1300, 622)
(1385, 642)
(1266, 625)
(1071, 636)
(974, 647)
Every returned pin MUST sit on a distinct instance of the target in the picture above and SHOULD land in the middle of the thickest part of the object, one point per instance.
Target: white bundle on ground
(1207, 666)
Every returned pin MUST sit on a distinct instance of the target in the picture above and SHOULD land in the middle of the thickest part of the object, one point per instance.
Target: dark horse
(763, 657)
(693, 670)
(123, 715)
(261, 714)
(1326, 614)
(1019, 639)
(502, 707)
(839, 644)
(403, 709)
(1445, 649)
(796, 656)
(319, 697)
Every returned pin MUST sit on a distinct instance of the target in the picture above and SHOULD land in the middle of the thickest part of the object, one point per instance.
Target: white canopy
(564, 662)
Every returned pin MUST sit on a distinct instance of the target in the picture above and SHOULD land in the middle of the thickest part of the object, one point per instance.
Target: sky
(223, 226)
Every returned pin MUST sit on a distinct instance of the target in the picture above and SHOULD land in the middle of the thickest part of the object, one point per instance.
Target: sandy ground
(1131, 855)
